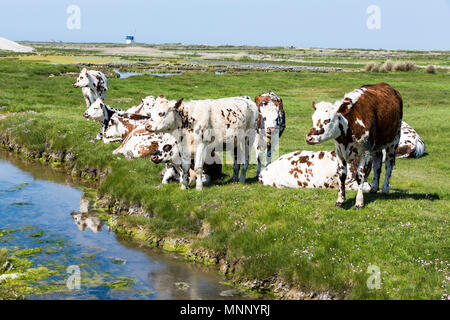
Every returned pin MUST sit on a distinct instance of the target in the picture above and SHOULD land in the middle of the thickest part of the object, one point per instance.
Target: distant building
(129, 39)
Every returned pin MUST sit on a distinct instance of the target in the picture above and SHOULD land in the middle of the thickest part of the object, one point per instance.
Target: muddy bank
(114, 210)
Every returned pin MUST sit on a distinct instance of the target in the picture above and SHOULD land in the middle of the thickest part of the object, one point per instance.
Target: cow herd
(188, 136)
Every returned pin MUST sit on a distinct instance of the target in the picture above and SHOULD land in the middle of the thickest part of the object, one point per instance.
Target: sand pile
(9, 45)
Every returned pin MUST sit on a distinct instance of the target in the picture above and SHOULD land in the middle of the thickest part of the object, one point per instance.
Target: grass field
(297, 235)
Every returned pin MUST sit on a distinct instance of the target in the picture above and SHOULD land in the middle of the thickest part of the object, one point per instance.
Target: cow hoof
(183, 187)
(373, 190)
(339, 204)
(199, 188)
(359, 206)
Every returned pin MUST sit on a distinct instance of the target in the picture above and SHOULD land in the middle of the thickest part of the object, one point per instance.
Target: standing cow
(213, 123)
(364, 123)
(93, 84)
(270, 126)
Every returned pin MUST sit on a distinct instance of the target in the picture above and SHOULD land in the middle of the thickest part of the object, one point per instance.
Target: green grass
(301, 236)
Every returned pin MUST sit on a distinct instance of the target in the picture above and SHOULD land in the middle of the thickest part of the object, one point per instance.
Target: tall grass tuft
(404, 66)
(372, 66)
(387, 66)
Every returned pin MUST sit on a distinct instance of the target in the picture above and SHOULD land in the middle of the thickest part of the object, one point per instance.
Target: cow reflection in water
(83, 221)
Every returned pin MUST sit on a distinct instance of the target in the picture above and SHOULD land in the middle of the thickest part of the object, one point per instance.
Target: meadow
(295, 234)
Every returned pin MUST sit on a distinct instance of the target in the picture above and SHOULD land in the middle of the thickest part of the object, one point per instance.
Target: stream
(41, 208)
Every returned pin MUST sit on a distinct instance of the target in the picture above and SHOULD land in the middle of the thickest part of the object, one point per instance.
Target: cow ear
(178, 103)
(314, 105)
(142, 99)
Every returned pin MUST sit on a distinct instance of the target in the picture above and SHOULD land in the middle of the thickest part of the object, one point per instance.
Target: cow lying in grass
(213, 123)
(362, 124)
(170, 151)
(101, 112)
(411, 144)
(93, 84)
(141, 143)
(270, 126)
(115, 123)
(310, 169)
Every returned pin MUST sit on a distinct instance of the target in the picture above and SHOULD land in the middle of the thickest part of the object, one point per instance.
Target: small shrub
(404, 66)
(371, 66)
(430, 69)
(387, 66)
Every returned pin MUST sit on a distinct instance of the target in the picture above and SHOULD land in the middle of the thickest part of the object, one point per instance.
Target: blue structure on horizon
(129, 39)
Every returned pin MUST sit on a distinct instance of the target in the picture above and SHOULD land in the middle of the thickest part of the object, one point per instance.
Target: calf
(364, 123)
(101, 112)
(310, 169)
(213, 123)
(270, 126)
(170, 151)
(93, 84)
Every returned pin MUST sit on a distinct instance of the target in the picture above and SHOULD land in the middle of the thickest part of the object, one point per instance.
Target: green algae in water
(4, 232)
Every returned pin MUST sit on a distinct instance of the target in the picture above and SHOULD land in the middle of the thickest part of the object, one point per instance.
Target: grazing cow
(83, 221)
(411, 144)
(170, 151)
(213, 123)
(93, 84)
(101, 112)
(270, 126)
(310, 169)
(364, 123)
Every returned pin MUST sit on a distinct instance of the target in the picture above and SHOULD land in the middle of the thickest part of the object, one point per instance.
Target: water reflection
(62, 220)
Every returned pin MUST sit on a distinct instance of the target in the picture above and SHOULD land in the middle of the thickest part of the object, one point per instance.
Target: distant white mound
(9, 45)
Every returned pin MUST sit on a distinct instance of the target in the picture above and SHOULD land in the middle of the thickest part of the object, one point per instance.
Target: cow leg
(259, 156)
(268, 156)
(377, 162)
(361, 177)
(236, 164)
(246, 159)
(342, 172)
(185, 179)
(389, 165)
(200, 157)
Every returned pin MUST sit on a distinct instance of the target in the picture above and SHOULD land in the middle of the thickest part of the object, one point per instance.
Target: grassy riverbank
(297, 235)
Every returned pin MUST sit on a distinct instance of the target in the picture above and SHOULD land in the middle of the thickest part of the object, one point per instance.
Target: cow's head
(269, 112)
(167, 150)
(325, 123)
(164, 115)
(82, 80)
(95, 111)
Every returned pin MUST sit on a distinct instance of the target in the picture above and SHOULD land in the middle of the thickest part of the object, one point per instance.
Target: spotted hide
(310, 169)
(93, 84)
(366, 121)
(213, 124)
(270, 126)
(411, 144)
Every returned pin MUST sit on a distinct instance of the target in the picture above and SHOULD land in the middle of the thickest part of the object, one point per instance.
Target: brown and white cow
(411, 144)
(93, 84)
(270, 126)
(363, 123)
(120, 125)
(213, 123)
(310, 169)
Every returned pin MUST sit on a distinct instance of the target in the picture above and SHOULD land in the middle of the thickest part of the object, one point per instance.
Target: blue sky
(405, 24)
